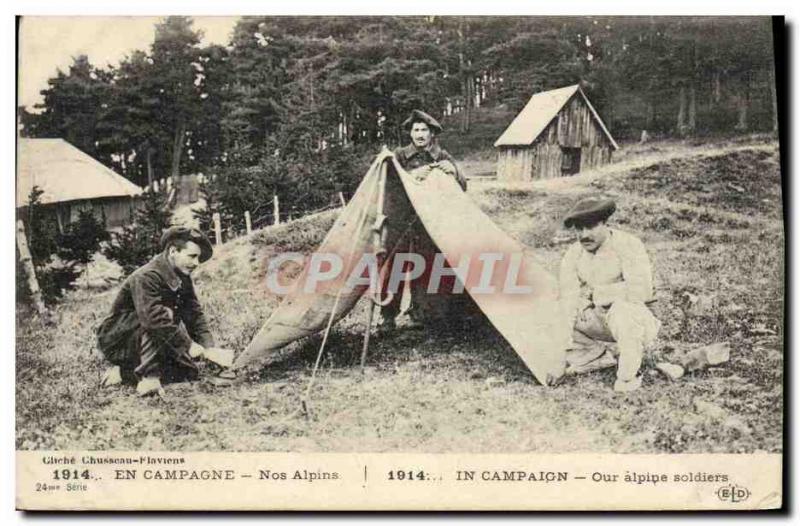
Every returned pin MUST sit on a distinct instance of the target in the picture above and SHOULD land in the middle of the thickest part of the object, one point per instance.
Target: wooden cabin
(72, 181)
(557, 133)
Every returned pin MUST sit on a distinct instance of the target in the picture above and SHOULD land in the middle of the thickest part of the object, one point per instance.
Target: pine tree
(71, 105)
(137, 243)
(131, 133)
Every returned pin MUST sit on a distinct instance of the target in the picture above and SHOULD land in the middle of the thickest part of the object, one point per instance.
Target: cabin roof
(65, 173)
(539, 112)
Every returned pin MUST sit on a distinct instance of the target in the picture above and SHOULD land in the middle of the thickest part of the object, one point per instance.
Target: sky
(48, 43)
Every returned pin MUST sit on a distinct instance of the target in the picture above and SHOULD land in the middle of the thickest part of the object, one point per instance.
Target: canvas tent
(557, 133)
(527, 321)
(72, 181)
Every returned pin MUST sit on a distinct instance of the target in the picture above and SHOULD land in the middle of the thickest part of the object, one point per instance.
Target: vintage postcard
(400, 263)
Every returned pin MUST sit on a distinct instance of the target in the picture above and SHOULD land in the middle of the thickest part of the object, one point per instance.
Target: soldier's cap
(589, 212)
(188, 234)
(421, 116)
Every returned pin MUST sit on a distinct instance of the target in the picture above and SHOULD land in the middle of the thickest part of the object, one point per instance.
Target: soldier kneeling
(157, 328)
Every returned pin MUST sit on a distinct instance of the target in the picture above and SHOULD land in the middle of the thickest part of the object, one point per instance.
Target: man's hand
(606, 295)
(447, 167)
(221, 357)
(196, 350)
(422, 173)
(583, 304)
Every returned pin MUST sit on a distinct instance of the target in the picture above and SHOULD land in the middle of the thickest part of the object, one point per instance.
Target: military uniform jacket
(411, 157)
(619, 270)
(157, 300)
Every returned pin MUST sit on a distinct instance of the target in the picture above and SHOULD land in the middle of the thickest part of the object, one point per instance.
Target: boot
(386, 326)
(623, 386)
(112, 376)
(150, 385)
(587, 363)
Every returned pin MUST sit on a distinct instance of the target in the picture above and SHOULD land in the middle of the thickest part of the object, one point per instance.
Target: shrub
(57, 277)
(58, 258)
(205, 215)
(82, 238)
(41, 229)
(137, 243)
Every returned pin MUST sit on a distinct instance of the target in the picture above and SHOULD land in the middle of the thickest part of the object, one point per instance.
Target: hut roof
(65, 173)
(537, 114)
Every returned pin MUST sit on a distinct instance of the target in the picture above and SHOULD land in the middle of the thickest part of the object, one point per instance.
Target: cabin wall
(549, 159)
(577, 127)
(515, 164)
(573, 127)
(118, 211)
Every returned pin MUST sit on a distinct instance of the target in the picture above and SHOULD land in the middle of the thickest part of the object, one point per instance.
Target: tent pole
(367, 329)
(378, 241)
(305, 401)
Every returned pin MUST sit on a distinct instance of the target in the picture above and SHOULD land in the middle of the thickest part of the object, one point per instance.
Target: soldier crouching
(157, 327)
(606, 285)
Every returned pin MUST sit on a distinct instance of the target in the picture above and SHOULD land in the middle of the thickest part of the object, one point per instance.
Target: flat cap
(590, 211)
(421, 116)
(188, 234)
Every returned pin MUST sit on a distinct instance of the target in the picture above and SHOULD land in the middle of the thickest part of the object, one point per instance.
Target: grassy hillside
(710, 215)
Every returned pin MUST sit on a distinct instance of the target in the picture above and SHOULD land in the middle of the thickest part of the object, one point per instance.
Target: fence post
(27, 264)
(217, 229)
(341, 198)
(276, 210)
(247, 222)
(170, 199)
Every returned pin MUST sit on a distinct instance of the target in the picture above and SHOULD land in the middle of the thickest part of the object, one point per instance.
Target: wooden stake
(59, 209)
(217, 229)
(276, 210)
(27, 264)
(341, 198)
(247, 222)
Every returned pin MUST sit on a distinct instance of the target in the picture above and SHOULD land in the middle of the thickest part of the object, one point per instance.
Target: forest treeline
(291, 103)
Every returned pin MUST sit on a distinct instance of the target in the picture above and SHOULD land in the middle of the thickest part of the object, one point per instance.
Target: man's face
(591, 236)
(187, 259)
(420, 134)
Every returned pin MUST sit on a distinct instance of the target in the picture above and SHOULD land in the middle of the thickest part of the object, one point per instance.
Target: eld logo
(733, 494)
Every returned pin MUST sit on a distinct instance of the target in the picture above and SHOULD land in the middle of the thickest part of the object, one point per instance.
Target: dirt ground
(710, 216)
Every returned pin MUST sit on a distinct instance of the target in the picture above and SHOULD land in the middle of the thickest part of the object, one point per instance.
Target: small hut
(557, 133)
(72, 181)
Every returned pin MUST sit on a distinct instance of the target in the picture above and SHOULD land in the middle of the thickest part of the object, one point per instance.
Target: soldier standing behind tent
(157, 328)
(605, 285)
(420, 158)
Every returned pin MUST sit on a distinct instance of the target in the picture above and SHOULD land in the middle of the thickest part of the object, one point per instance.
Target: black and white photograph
(444, 235)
